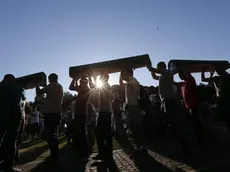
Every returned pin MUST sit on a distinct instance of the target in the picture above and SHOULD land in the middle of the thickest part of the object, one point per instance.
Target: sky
(52, 35)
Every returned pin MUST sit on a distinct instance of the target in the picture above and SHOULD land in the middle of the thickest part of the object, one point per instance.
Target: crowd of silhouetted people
(132, 114)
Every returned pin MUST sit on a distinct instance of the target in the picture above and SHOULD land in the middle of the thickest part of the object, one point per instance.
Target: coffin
(111, 66)
(31, 81)
(196, 66)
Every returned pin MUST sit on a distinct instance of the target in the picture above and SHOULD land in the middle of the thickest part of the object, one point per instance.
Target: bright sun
(99, 83)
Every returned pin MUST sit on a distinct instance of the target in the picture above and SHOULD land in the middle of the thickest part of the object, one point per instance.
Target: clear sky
(52, 35)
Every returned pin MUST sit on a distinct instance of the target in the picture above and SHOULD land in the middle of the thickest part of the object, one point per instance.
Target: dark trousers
(8, 140)
(104, 135)
(199, 128)
(79, 136)
(90, 136)
(19, 140)
(174, 119)
(51, 122)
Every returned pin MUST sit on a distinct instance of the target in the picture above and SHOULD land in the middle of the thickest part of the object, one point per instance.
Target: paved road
(161, 157)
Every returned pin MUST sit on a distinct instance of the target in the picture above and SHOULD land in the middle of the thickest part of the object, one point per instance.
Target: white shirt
(166, 83)
(131, 91)
(54, 98)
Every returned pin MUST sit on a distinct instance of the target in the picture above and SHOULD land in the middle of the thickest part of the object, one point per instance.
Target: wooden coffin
(111, 66)
(31, 81)
(196, 66)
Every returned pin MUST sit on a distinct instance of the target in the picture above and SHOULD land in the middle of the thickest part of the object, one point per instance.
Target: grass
(37, 145)
(31, 146)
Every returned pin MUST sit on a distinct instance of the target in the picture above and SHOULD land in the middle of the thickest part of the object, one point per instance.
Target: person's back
(54, 98)
(82, 100)
(131, 95)
(13, 96)
(166, 85)
(190, 93)
(52, 112)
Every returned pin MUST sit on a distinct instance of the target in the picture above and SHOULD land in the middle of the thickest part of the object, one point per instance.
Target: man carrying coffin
(80, 114)
(192, 102)
(52, 112)
(135, 117)
(170, 102)
(103, 129)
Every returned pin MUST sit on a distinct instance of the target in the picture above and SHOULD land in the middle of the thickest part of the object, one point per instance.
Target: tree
(67, 99)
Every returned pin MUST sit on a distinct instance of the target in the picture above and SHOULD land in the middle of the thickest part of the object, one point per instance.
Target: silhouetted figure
(120, 133)
(21, 131)
(170, 102)
(11, 117)
(80, 113)
(91, 126)
(135, 117)
(223, 93)
(52, 112)
(34, 123)
(192, 102)
(103, 129)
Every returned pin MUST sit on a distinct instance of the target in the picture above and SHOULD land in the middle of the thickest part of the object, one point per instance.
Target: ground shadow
(29, 143)
(210, 155)
(33, 153)
(109, 165)
(143, 161)
(66, 163)
(146, 163)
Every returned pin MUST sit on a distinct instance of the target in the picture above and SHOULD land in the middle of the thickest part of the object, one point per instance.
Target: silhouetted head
(53, 78)
(182, 74)
(84, 81)
(9, 79)
(161, 66)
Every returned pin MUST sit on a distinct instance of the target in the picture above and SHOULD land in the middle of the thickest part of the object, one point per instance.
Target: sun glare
(99, 83)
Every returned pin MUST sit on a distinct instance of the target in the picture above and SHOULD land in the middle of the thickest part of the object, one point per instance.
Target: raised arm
(155, 76)
(91, 84)
(153, 72)
(152, 69)
(72, 86)
(122, 85)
